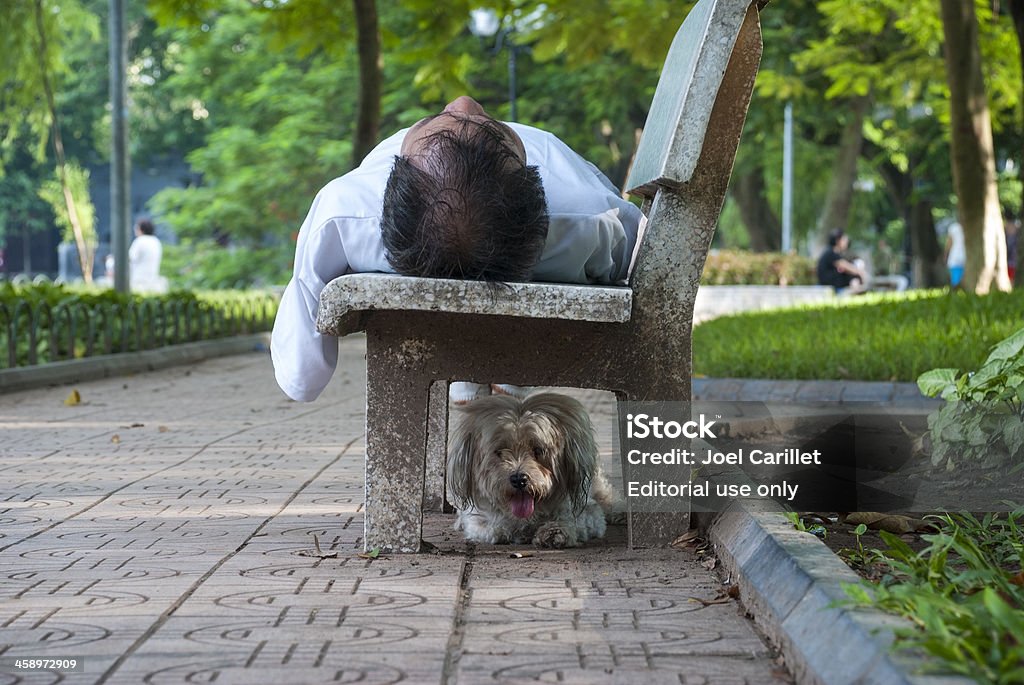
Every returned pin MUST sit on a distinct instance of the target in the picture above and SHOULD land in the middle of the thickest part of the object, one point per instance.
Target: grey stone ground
(160, 531)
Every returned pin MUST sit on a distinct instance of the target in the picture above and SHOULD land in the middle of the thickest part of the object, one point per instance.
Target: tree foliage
(261, 97)
(273, 129)
(25, 116)
(22, 211)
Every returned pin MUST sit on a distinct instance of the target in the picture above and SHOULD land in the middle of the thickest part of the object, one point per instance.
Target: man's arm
(304, 360)
(583, 248)
(593, 230)
(329, 245)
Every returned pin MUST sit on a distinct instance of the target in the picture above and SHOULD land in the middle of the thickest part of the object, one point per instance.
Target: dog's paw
(553, 534)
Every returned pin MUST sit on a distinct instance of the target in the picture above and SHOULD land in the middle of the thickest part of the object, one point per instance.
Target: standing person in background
(956, 253)
(1012, 228)
(144, 257)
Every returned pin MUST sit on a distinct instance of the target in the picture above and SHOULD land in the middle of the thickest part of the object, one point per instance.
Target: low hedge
(894, 337)
(48, 322)
(736, 267)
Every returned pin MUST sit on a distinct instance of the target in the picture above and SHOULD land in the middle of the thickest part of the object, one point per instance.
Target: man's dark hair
(468, 208)
(834, 236)
(145, 226)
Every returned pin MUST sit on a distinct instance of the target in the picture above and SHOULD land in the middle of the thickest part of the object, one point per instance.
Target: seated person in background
(457, 195)
(837, 271)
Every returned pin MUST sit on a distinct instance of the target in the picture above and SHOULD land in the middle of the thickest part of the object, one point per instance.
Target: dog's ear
(575, 470)
(462, 448)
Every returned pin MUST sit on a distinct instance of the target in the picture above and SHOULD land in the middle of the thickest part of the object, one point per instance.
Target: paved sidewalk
(164, 529)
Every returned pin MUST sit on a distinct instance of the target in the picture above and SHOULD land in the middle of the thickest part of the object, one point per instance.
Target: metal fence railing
(37, 332)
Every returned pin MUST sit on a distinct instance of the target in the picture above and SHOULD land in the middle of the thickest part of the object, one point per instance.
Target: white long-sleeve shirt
(591, 236)
(144, 255)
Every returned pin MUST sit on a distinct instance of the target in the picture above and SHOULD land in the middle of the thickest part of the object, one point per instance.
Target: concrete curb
(791, 583)
(107, 365)
(904, 395)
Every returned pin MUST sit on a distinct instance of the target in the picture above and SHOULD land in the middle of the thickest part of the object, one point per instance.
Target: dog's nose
(519, 480)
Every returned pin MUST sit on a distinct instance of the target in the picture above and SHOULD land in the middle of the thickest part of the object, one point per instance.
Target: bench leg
(437, 448)
(396, 420)
(651, 528)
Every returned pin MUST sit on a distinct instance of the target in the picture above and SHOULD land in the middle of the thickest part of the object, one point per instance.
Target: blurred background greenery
(240, 110)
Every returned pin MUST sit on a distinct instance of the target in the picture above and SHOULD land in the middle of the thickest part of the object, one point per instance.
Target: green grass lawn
(872, 337)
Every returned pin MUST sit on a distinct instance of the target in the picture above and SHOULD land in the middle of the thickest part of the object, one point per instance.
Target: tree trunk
(370, 77)
(762, 225)
(972, 153)
(1017, 12)
(928, 264)
(924, 252)
(85, 255)
(836, 211)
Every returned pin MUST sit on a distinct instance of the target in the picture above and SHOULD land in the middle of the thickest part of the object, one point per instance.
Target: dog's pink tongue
(522, 505)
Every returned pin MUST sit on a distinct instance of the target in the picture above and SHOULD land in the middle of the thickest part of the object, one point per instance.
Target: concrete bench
(422, 334)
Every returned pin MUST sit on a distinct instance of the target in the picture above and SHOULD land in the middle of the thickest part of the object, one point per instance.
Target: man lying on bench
(457, 195)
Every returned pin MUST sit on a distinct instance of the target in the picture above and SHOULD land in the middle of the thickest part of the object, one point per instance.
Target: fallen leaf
(710, 563)
(825, 519)
(115, 438)
(920, 443)
(73, 398)
(310, 553)
(318, 553)
(720, 598)
(163, 429)
(890, 523)
(687, 540)
(520, 555)
(372, 554)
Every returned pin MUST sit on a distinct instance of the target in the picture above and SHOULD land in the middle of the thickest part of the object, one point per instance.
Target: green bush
(206, 265)
(736, 267)
(983, 417)
(894, 337)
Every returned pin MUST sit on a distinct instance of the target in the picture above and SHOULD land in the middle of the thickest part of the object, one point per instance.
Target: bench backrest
(691, 78)
(685, 158)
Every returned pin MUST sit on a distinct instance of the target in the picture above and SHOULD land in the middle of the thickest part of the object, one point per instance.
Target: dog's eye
(538, 452)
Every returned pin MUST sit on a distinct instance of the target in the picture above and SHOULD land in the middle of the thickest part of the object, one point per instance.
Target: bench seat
(346, 298)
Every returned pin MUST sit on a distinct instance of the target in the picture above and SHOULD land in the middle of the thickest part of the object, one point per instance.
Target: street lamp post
(119, 163)
(485, 23)
(787, 179)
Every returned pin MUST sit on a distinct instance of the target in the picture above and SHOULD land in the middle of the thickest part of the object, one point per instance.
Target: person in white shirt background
(457, 195)
(956, 253)
(144, 256)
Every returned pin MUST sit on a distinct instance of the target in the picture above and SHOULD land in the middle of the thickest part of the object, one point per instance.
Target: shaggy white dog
(522, 470)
